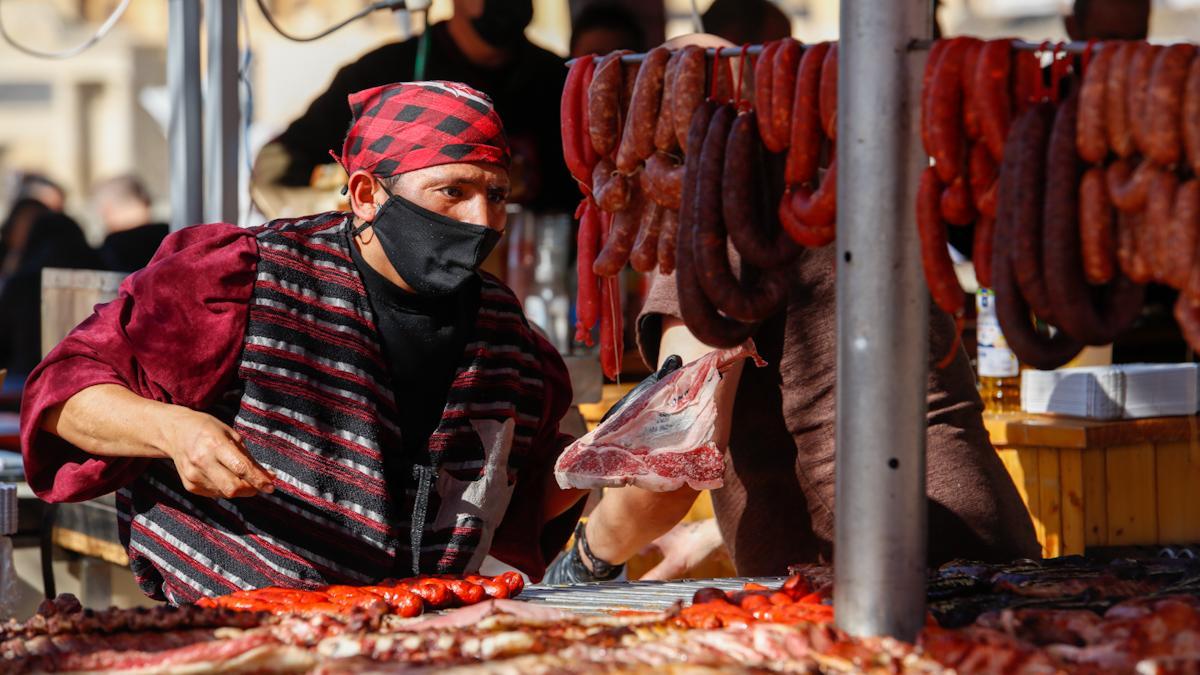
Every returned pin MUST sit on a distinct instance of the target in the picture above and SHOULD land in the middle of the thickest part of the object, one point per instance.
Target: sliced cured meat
(663, 439)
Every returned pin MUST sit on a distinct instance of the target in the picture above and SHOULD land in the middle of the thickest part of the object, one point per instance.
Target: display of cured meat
(663, 439)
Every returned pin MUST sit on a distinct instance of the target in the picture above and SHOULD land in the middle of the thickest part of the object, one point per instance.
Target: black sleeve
(323, 126)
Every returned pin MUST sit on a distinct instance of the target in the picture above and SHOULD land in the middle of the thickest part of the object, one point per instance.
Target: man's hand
(683, 548)
(210, 457)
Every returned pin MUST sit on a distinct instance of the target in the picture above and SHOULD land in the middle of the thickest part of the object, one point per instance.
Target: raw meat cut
(663, 439)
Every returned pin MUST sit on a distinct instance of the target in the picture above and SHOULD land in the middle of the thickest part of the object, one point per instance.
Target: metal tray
(648, 596)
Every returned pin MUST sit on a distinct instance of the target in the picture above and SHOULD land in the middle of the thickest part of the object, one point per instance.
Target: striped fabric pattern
(316, 408)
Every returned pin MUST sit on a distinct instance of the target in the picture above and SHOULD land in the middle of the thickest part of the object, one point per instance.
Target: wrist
(164, 420)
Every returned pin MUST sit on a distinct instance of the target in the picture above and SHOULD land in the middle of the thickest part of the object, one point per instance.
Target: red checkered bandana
(413, 125)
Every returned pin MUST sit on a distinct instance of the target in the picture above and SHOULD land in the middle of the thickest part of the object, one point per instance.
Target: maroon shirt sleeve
(173, 334)
(524, 538)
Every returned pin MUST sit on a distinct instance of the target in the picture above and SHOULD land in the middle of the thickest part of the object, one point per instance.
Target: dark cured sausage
(755, 296)
(664, 129)
(637, 141)
(829, 92)
(1127, 187)
(1091, 139)
(668, 231)
(587, 299)
(604, 122)
(804, 149)
(946, 112)
(1164, 105)
(689, 90)
(1097, 232)
(571, 114)
(1075, 313)
(783, 89)
(1029, 170)
(1138, 93)
(1191, 116)
(644, 257)
(935, 255)
(764, 80)
(664, 179)
(992, 71)
(701, 318)
(746, 202)
(1116, 111)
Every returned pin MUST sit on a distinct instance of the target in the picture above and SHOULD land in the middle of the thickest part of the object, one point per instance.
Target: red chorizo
(689, 90)
(1129, 256)
(1127, 186)
(1028, 80)
(935, 53)
(1184, 234)
(1160, 196)
(587, 302)
(664, 179)
(1187, 315)
(604, 105)
(612, 321)
(764, 82)
(1190, 128)
(808, 216)
(994, 106)
(622, 234)
(945, 112)
(804, 148)
(1096, 227)
(970, 59)
(783, 88)
(935, 255)
(981, 250)
(569, 118)
(956, 204)
(590, 157)
(1137, 94)
(1116, 111)
(1171, 217)
(637, 141)
(664, 128)
(612, 190)
(981, 172)
(746, 201)
(668, 230)
(1091, 139)
(1164, 105)
(644, 256)
(829, 92)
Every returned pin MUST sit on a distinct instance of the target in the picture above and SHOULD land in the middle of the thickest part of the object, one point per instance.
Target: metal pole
(882, 323)
(183, 132)
(221, 113)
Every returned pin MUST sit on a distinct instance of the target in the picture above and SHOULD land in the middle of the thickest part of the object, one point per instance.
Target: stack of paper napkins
(1113, 392)
(8, 509)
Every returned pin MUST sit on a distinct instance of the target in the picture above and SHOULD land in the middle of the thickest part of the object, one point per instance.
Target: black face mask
(435, 255)
(502, 23)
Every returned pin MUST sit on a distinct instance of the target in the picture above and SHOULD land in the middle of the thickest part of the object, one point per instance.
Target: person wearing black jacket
(482, 45)
(132, 236)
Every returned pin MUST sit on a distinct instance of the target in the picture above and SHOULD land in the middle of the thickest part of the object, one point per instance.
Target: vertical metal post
(221, 113)
(882, 323)
(183, 132)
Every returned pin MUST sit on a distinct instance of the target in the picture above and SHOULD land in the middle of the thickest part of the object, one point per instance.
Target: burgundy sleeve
(525, 539)
(173, 334)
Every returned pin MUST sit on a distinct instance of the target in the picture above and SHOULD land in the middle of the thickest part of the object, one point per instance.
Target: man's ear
(361, 190)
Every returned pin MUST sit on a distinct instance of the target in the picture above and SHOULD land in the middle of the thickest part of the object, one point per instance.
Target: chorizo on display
(804, 148)
(764, 70)
(746, 200)
(1164, 104)
(637, 140)
(604, 99)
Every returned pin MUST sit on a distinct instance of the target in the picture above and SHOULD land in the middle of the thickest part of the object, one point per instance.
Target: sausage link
(981, 250)
(1171, 212)
(569, 118)
(668, 231)
(1184, 234)
(590, 156)
(664, 179)
(981, 172)
(612, 318)
(619, 244)
(935, 254)
(764, 94)
(610, 188)
(804, 148)
(1187, 315)
(1129, 258)
(956, 204)
(1028, 80)
(1116, 110)
(1160, 196)
(664, 128)
(689, 90)
(645, 249)
(587, 299)
(1191, 116)
(1096, 228)
(970, 59)
(1164, 105)
(809, 217)
(783, 88)
(992, 70)
(1127, 187)
(829, 94)
(746, 202)
(604, 122)
(637, 141)
(946, 112)
(1138, 94)
(931, 60)
(1090, 138)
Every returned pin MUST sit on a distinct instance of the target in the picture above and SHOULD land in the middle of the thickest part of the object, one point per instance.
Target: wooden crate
(68, 297)
(1089, 483)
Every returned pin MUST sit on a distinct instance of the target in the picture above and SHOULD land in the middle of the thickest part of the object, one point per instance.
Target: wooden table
(1094, 483)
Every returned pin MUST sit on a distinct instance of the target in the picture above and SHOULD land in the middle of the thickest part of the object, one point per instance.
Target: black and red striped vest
(314, 405)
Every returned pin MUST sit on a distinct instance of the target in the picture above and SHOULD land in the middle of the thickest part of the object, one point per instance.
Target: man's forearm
(558, 500)
(110, 421)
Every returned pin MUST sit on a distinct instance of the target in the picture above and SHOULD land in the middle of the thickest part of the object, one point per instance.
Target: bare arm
(108, 420)
(611, 533)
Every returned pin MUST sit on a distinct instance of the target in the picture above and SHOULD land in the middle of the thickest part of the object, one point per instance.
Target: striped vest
(315, 407)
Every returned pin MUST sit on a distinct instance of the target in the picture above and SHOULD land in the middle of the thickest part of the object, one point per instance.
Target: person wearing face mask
(334, 399)
(482, 45)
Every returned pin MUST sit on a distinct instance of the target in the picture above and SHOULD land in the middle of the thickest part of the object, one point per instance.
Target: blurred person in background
(132, 236)
(39, 187)
(1108, 20)
(746, 21)
(602, 27)
(482, 45)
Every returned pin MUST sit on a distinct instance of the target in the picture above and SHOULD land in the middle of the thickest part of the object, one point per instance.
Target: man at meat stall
(338, 398)
(777, 425)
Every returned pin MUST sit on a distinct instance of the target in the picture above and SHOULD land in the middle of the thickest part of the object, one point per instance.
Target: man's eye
(452, 192)
(497, 196)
